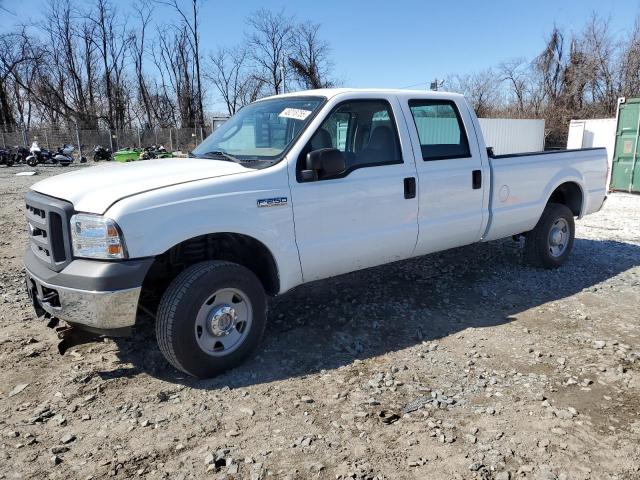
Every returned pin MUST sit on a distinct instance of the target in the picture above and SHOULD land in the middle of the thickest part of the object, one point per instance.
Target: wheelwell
(232, 247)
(568, 194)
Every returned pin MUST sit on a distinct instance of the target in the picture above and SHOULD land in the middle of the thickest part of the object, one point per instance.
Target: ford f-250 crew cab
(291, 189)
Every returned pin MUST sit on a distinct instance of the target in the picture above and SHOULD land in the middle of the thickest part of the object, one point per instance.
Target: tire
(32, 161)
(550, 243)
(203, 287)
(96, 157)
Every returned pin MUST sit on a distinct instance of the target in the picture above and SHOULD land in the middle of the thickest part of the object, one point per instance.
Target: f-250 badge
(272, 202)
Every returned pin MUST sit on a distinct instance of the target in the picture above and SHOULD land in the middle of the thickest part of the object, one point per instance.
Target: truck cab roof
(329, 93)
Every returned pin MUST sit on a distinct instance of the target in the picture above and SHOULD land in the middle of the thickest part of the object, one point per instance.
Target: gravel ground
(464, 364)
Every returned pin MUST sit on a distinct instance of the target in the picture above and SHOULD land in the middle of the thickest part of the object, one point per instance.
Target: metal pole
(78, 140)
(25, 138)
(111, 141)
(4, 145)
(201, 137)
(46, 139)
(139, 139)
(155, 129)
(283, 73)
(170, 141)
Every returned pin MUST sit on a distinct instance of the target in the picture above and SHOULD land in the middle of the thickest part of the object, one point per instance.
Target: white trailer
(513, 135)
(594, 133)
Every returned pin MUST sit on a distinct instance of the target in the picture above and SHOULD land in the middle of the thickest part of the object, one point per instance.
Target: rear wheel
(211, 318)
(550, 243)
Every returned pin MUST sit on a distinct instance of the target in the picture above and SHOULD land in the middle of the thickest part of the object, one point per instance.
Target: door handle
(476, 179)
(409, 187)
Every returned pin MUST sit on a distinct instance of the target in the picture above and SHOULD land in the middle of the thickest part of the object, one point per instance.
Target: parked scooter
(101, 153)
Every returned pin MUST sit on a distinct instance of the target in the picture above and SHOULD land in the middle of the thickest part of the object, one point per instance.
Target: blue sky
(398, 43)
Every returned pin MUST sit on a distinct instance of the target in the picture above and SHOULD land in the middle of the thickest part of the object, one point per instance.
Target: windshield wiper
(220, 153)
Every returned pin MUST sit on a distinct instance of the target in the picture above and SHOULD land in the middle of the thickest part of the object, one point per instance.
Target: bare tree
(138, 51)
(191, 28)
(309, 57)
(550, 65)
(517, 74)
(600, 66)
(482, 90)
(630, 62)
(88, 62)
(268, 42)
(112, 44)
(174, 59)
(230, 77)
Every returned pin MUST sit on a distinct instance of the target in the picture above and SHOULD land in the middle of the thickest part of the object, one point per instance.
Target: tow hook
(70, 336)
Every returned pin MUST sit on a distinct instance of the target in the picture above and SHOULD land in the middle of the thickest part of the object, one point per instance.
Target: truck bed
(521, 185)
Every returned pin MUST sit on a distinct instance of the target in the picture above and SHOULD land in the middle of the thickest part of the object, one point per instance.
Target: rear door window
(440, 129)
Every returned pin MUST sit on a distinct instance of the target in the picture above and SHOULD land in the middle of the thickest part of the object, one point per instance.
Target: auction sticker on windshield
(295, 113)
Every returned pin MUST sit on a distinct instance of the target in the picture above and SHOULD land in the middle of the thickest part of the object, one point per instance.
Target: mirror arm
(308, 175)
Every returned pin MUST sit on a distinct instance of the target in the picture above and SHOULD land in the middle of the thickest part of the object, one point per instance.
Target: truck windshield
(260, 132)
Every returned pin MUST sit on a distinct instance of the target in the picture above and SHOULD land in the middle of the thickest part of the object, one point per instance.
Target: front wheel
(550, 243)
(211, 318)
(32, 161)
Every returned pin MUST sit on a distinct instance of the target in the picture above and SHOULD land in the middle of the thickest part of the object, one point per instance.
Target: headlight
(94, 236)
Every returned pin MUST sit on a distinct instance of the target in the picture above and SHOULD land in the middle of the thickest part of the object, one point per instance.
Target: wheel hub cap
(559, 237)
(222, 320)
(556, 236)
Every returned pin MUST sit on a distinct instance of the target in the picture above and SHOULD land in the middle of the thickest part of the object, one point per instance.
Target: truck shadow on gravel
(328, 324)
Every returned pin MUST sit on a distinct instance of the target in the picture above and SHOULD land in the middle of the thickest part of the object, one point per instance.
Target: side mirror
(326, 162)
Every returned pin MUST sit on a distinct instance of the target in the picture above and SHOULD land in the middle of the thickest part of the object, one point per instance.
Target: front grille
(48, 221)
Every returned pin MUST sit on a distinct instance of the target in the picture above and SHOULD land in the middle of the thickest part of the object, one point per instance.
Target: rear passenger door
(364, 216)
(449, 166)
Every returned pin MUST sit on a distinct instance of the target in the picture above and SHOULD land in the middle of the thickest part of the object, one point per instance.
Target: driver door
(366, 215)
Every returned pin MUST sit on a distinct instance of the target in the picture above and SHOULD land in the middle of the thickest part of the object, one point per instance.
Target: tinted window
(363, 130)
(440, 129)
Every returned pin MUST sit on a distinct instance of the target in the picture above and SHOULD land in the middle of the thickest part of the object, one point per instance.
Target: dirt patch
(505, 372)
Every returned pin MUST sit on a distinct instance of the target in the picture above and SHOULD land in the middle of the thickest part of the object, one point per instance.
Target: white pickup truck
(291, 189)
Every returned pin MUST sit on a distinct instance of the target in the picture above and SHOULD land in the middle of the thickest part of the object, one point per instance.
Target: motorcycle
(101, 153)
(6, 157)
(154, 151)
(38, 155)
(64, 155)
(19, 155)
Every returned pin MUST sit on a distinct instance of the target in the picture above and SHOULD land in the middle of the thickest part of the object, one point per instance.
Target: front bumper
(97, 296)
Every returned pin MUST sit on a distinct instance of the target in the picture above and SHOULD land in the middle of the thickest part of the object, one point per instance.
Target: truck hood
(95, 189)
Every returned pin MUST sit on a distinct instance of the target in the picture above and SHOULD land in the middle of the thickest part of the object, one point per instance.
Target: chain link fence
(178, 140)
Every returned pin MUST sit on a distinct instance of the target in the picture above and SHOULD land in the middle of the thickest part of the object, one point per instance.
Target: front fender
(153, 222)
